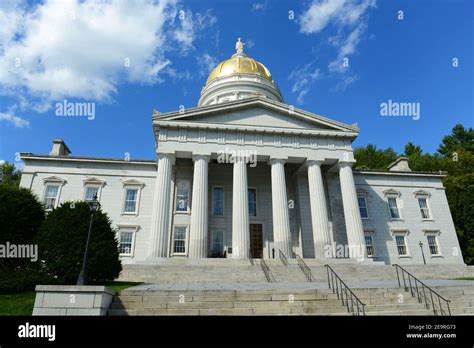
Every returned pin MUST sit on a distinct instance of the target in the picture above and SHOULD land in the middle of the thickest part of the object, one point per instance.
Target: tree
(21, 216)
(460, 137)
(62, 240)
(372, 158)
(9, 174)
(411, 149)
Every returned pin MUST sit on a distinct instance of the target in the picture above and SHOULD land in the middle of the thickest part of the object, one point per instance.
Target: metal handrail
(351, 301)
(421, 293)
(282, 257)
(304, 268)
(266, 270)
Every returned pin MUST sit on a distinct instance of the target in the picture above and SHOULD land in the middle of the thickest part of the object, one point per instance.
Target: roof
(31, 156)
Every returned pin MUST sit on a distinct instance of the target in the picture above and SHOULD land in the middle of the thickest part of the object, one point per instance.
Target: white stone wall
(379, 220)
(259, 177)
(112, 196)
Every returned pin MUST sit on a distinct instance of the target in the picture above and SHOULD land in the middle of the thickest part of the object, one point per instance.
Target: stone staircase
(239, 287)
(280, 301)
(228, 302)
(462, 298)
(194, 271)
(361, 271)
(288, 274)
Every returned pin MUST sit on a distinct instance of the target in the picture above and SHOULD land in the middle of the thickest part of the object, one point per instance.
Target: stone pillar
(161, 207)
(281, 215)
(240, 211)
(199, 210)
(319, 211)
(354, 228)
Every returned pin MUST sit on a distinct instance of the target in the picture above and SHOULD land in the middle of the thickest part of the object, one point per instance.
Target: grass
(17, 304)
(119, 286)
(22, 303)
(465, 278)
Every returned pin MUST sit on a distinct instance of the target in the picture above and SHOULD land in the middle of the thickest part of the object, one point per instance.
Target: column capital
(276, 160)
(314, 162)
(343, 164)
(170, 156)
(196, 157)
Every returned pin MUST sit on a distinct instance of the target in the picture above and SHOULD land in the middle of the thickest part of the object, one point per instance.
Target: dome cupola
(237, 78)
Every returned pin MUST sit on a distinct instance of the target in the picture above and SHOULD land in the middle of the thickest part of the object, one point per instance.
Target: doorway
(256, 241)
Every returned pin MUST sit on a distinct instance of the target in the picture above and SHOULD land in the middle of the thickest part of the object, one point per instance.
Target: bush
(21, 216)
(62, 239)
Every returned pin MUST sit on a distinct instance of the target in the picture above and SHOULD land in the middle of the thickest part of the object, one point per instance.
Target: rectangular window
(217, 201)
(252, 202)
(401, 245)
(393, 208)
(369, 245)
(425, 211)
(125, 242)
(433, 245)
(131, 196)
(179, 243)
(182, 196)
(217, 243)
(364, 213)
(51, 196)
(91, 192)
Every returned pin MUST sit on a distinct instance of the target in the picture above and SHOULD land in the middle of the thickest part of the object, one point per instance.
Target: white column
(281, 216)
(354, 228)
(161, 207)
(199, 210)
(240, 211)
(319, 211)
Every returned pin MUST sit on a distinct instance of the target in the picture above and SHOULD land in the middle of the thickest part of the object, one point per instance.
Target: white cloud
(342, 12)
(86, 48)
(345, 82)
(259, 6)
(349, 18)
(17, 121)
(303, 78)
(346, 48)
(206, 63)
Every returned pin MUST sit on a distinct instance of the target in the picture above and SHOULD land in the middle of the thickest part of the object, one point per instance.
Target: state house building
(286, 184)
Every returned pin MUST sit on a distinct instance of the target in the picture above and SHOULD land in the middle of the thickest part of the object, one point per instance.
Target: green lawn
(22, 303)
(466, 278)
(17, 304)
(119, 286)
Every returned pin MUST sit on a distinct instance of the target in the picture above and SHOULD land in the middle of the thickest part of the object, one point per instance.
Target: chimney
(400, 165)
(59, 148)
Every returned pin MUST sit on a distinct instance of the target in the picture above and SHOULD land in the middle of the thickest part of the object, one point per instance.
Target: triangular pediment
(257, 112)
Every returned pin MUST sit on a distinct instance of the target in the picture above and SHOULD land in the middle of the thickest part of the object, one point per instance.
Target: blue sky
(56, 50)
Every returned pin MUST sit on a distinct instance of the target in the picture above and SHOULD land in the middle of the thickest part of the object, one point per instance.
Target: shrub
(21, 216)
(62, 239)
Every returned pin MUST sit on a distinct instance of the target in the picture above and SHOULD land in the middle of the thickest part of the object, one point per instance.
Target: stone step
(394, 307)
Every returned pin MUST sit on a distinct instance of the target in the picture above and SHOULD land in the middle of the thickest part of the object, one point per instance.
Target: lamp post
(422, 253)
(94, 205)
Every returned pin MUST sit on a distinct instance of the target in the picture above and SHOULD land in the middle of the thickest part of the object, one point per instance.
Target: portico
(197, 147)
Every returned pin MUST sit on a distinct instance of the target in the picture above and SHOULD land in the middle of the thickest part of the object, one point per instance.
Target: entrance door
(256, 241)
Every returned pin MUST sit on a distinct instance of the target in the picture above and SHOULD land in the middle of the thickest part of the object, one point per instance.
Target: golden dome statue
(239, 63)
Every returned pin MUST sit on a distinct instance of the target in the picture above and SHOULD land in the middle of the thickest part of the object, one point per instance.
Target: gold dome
(239, 63)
